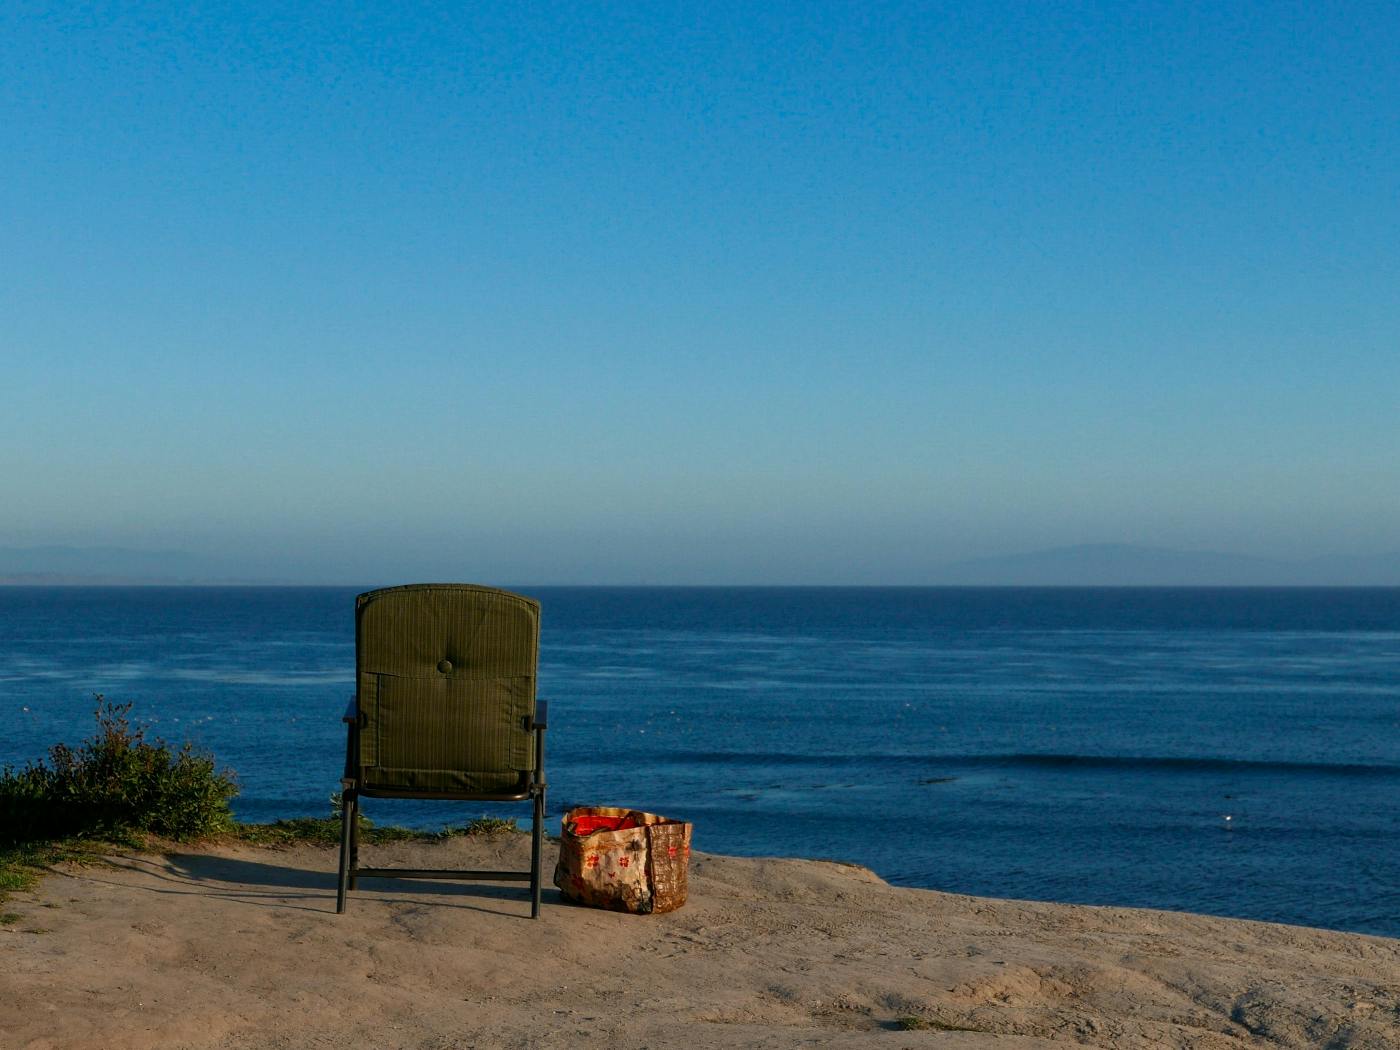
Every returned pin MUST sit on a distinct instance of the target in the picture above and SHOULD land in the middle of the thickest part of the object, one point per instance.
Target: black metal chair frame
(532, 789)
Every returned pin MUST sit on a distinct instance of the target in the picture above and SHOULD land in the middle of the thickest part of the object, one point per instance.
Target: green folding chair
(444, 708)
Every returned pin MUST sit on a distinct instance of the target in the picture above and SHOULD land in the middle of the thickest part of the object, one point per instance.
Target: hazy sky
(698, 293)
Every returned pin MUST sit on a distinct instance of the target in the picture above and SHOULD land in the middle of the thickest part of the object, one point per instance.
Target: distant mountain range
(107, 565)
(1090, 565)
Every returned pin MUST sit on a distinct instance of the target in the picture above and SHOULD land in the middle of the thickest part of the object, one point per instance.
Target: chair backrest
(445, 683)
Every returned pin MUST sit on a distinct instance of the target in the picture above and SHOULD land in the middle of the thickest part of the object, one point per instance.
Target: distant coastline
(46, 579)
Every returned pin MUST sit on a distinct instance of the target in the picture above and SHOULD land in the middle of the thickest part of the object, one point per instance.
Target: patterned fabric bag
(623, 859)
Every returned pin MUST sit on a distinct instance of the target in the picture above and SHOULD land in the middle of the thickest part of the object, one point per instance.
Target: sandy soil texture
(237, 948)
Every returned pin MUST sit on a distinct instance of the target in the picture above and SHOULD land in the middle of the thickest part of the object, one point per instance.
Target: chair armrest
(351, 713)
(541, 719)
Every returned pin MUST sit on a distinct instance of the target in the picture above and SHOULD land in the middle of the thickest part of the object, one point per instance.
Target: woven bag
(623, 859)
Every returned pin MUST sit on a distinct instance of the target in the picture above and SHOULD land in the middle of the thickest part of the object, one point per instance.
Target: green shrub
(114, 785)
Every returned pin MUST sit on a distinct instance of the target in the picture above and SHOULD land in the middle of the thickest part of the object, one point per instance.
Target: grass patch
(319, 831)
(21, 866)
(19, 871)
(325, 831)
(484, 826)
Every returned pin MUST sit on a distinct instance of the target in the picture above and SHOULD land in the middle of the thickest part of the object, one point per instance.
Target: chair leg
(354, 842)
(536, 849)
(347, 822)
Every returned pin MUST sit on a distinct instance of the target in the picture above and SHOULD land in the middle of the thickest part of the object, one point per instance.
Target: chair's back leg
(536, 849)
(354, 841)
(347, 824)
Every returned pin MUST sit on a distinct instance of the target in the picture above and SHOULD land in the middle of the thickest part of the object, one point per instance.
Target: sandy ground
(239, 948)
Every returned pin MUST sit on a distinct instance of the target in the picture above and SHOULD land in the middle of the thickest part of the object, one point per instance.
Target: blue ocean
(1234, 752)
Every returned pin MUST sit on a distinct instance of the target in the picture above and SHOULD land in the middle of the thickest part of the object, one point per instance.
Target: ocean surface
(1235, 752)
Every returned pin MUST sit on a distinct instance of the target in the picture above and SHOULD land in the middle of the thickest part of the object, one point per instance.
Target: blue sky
(706, 293)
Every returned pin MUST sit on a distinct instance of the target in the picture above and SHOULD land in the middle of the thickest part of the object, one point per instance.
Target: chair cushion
(446, 684)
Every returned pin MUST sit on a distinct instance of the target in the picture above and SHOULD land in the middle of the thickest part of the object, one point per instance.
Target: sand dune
(236, 948)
